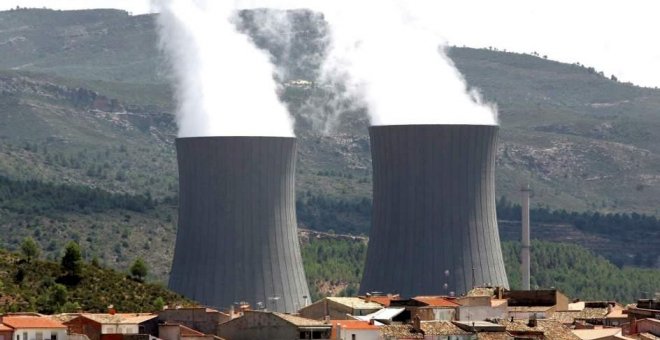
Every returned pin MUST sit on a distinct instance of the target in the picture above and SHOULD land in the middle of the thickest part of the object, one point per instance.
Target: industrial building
(434, 226)
(237, 237)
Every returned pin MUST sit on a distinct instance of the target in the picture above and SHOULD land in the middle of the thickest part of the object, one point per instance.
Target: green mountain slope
(583, 141)
(39, 286)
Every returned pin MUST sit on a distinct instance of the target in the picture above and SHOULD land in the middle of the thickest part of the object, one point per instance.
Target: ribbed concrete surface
(433, 210)
(237, 237)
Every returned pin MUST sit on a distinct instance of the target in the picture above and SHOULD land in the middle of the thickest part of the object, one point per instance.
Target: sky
(614, 36)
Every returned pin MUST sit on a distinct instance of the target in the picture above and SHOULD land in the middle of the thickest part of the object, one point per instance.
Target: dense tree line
(331, 214)
(577, 272)
(334, 261)
(325, 213)
(627, 226)
(35, 197)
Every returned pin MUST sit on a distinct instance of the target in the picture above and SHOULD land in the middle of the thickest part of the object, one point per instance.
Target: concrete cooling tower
(237, 237)
(434, 226)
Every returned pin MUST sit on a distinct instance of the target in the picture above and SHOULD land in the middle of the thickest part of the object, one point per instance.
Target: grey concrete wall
(258, 326)
(237, 237)
(433, 210)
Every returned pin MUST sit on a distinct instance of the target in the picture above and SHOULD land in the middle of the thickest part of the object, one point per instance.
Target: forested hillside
(31, 284)
(573, 270)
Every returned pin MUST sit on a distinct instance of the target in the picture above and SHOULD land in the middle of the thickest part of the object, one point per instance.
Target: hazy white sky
(618, 37)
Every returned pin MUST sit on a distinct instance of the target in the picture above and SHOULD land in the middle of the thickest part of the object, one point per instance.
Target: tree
(72, 260)
(58, 296)
(70, 307)
(30, 249)
(159, 303)
(139, 269)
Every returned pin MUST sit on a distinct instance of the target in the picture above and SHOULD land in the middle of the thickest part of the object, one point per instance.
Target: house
(616, 317)
(525, 304)
(480, 308)
(384, 316)
(383, 299)
(538, 329)
(174, 331)
(643, 309)
(431, 330)
(651, 326)
(109, 326)
(205, 320)
(605, 313)
(599, 334)
(428, 308)
(354, 330)
(480, 326)
(31, 327)
(6, 332)
(339, 308)
(259, 325)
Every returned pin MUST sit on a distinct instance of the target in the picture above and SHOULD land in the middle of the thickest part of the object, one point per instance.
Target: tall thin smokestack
(524, 252)
(237, 238)
(434, 218)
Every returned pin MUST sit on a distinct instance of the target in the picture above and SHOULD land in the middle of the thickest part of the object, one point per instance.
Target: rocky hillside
(583, 141)
(85, 102)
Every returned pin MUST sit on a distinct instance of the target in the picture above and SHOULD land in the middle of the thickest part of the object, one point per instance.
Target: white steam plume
(387, 53)
(224, 83)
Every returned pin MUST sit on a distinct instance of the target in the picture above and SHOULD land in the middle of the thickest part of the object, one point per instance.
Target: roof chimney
(532, 321)
(417, 323)
(112, 310)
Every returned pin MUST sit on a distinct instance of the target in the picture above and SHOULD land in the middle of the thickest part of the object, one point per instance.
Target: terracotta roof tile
(551, 329)
(119, 318)
(567, 317)
(436, 301)
(350, 325)
(355, 302)
(353, 324)
(300, 321)
(430, 329)
(383, 300)
(31, 322)
(494, 336)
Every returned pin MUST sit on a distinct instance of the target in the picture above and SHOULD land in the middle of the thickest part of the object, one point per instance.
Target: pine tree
(72, 260)
(30, 249)
(139, 269)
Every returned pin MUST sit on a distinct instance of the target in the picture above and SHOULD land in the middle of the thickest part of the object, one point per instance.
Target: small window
(39, 336)
(53, 336)
(352, 336)
(25, 336)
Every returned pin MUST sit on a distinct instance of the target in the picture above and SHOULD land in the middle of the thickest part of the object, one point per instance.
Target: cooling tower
(434, 226)
(237, 237)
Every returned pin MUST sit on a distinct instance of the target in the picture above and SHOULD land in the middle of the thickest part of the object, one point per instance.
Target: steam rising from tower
(433, 210)
(392, 61)
(237, 238)
(224, 83)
